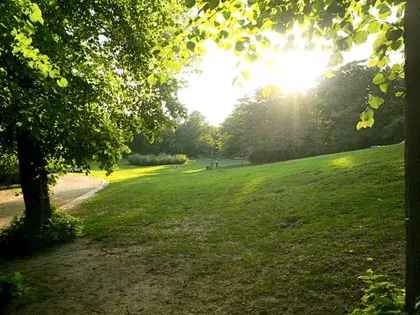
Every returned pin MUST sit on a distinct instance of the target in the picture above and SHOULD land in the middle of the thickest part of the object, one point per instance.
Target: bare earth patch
(83, 278)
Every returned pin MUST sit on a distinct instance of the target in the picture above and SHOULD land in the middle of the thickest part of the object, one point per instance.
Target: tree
(395, 25)
(273, 126)
(192, 136)
(267, 128)
(213, 139)
(188, 135)
(78, 79)
(412, 154)
(338, 101)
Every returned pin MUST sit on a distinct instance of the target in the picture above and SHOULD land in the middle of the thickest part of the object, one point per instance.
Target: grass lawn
(283, 238)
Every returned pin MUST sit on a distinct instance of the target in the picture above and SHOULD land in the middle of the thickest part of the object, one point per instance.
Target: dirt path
(84, 278)
(70, 190)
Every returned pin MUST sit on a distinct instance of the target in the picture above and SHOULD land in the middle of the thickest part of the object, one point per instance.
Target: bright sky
(212, 92)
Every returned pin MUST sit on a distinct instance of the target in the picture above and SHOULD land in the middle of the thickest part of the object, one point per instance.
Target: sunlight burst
(292, 71)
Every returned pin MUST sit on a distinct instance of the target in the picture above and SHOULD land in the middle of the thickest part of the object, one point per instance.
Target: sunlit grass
(282, 238)
(344, 162)
(308, 225)
(127, 172)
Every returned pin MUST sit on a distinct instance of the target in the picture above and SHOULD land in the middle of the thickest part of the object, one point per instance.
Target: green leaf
(212, 4)
(384, 87)
(379, 79)
(383, 62)
(239, 46)
(374, 27)
(372, 63)
(36, 15)
(394, 34)
(384, 10)
(397, 44)
(226, 14)
(224, 34)
(191, 46)
(380, 40)
(367, 119)
(62, 82)
(375, 101)
(190, 3)
(360, 37)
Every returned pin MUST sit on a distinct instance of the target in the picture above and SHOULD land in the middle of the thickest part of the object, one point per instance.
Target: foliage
(192, 136)
(16, 239)
(11, 287)
(82, 77)
(273, 126)
(273, 155)
(339, 100)
(160, 159)
(14, 284)
(380, 297)
(243, 25)
(9, 173)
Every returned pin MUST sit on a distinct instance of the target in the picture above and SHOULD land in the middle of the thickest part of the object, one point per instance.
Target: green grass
(282, 238)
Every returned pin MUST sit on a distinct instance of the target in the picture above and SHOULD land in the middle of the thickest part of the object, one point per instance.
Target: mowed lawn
(282, 238)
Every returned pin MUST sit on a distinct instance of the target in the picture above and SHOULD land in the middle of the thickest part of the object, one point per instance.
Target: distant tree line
(272, 126)
(193, 136)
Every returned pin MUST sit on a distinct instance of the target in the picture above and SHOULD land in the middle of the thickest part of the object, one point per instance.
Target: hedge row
(161, 159)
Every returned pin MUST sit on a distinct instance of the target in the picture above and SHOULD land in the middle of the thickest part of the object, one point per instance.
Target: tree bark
(412, 152)
(34, 182)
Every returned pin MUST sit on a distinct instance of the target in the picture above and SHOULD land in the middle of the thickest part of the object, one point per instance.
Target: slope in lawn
(283, 238)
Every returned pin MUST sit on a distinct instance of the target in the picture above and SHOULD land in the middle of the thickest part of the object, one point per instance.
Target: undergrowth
(17, 240)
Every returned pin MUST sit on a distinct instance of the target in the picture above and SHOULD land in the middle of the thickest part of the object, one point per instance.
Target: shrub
(161, 159)
(270, 156)
(11, 286)
(380, 297)
(16, 240)
(9, 171)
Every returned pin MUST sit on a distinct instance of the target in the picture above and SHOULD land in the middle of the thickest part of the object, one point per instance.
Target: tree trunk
(412, 152)
(34, 182)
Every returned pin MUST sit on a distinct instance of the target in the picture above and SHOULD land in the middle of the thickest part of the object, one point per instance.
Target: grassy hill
(282, 238)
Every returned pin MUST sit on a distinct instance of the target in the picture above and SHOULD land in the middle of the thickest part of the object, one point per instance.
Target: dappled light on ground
(250, 188)
(127, 172)
(344, 162)
(194, 171)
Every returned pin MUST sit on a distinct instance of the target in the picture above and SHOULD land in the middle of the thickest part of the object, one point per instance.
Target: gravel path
(70, 190)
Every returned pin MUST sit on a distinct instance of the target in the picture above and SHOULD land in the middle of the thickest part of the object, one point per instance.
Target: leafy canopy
(83, 76)
(243, 25)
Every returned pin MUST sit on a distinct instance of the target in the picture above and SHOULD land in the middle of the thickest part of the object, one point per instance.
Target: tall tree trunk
(412, 152)
(34, 182)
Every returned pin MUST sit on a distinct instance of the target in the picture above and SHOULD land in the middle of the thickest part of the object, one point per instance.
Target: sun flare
(213, 92)
(216, 89)
(292, 71)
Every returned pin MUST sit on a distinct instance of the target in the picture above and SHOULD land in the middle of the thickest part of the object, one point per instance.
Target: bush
(16, 240)
(11, 286)
(9, 171)
(270, 156)
(161, 159)
(380, 296)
